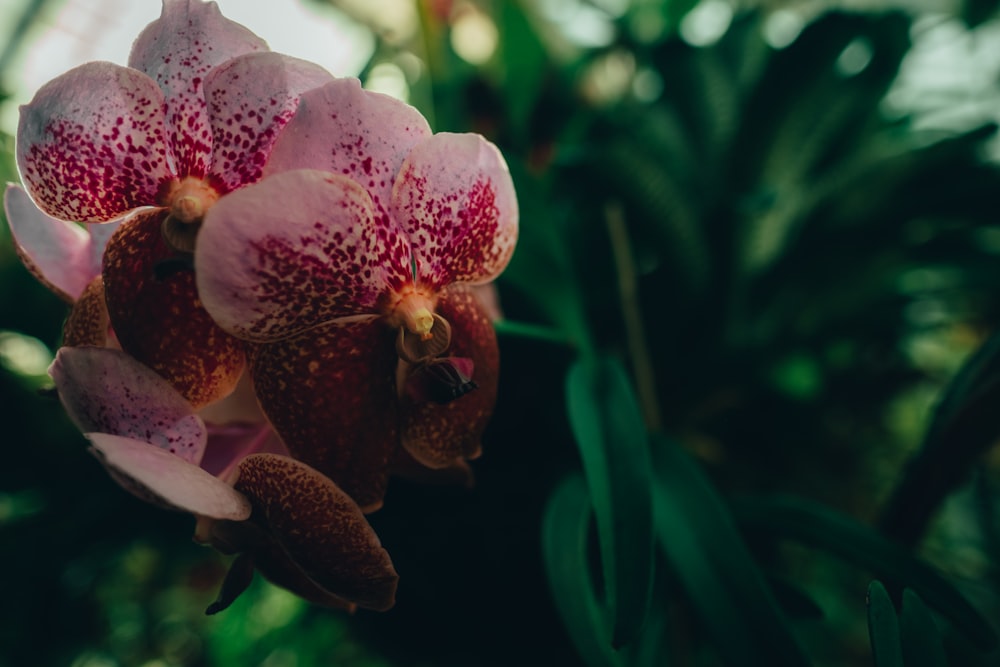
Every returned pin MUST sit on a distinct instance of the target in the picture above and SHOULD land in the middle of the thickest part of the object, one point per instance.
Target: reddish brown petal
(320, 529)
(257, 548)
(437, 435)
(159, 319)
(88, 320)
(330, 394)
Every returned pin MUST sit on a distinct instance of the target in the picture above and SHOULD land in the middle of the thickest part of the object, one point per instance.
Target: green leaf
(611, 436)
(541, 268)
(837, 533)
(964, 427)
(565, 527)
(883, 627)
(793, 601)
(922, 643)
(700, 542)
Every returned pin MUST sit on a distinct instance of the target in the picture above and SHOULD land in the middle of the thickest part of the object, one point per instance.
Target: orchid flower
(66, 258)
(347, 269)
(192, 118)
(284, 518)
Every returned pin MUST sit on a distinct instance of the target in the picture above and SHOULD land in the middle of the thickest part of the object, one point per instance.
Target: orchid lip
(413, 309)
(188, 201)
(415, 348)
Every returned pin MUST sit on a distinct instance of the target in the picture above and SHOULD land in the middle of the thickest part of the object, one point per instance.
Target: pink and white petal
(455, 198)
(345, 129)
(91, 145)
(250, 99)
(54, 251)
(292, 251)
(107, 391)
(158, 477)
(178, 50)
(437, 435)
(318, 530)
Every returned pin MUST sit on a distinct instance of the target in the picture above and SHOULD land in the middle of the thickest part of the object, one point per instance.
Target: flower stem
(628, 290)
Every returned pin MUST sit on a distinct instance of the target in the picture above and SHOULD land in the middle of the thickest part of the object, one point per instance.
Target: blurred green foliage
(743, 279)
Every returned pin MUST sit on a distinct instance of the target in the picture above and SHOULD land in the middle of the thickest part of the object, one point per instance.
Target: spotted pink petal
(330, 394)
(344, 129)
(161, 478)
(294, 250)
(157, 315)
(455, 199)
(317, 531)
(56, 252)
(438, 436)
(250, 98)
(107, 391)
(91, 145)
(178, 50)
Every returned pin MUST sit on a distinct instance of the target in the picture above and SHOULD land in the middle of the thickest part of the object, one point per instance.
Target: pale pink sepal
(455, 198)
(107, 391)
(250, 98)
(294, 250)
(178, 50)
(55, 251)
(159, 477)
(91, 144)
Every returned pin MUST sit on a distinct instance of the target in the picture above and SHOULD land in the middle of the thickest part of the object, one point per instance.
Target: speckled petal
(161, 478)
(178, 50)
(250, 98)
(437, 435)
(88, 322)
(159, 319)
(329, 393)
(296, 249)
(455, 199)
(107, 391)
(321, 530)
(91, 145)
(344, 129)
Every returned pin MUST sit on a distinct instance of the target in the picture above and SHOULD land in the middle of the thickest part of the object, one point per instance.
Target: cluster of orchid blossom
(272, 299)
